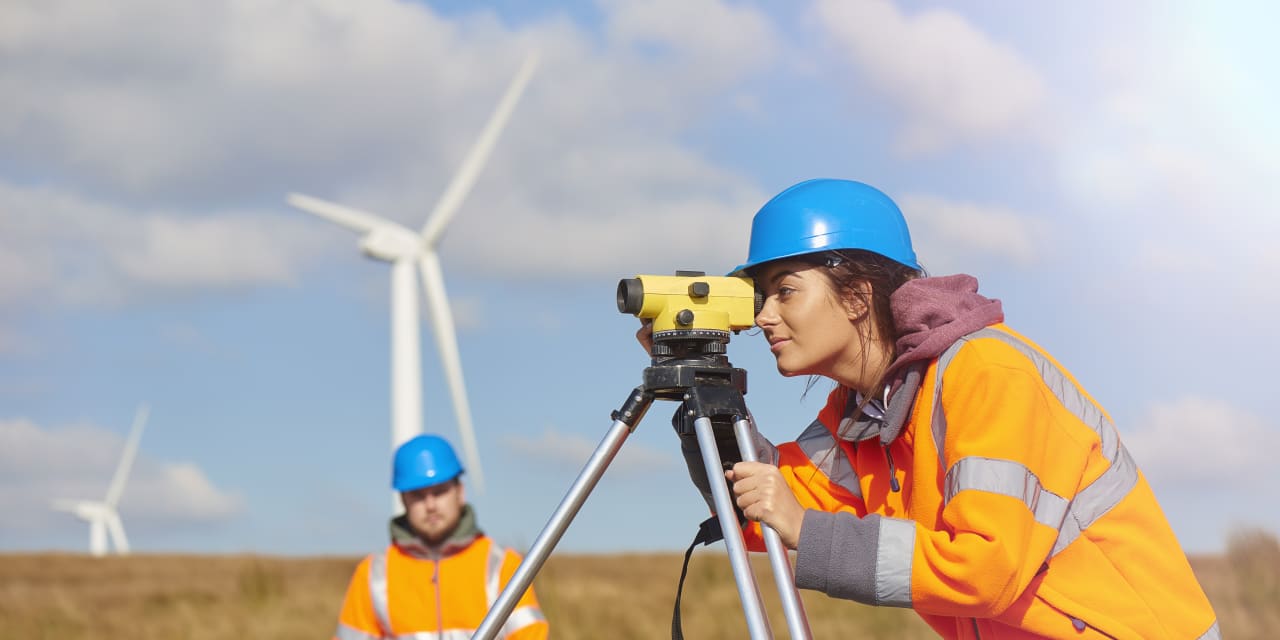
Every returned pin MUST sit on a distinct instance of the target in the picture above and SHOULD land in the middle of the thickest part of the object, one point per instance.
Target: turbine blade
(126, 459)
(354, 219)
(474, 162)
(70, 506)
(116, 528)
(447, 345)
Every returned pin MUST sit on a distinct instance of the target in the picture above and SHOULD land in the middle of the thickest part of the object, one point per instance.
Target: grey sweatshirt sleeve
(836, 555)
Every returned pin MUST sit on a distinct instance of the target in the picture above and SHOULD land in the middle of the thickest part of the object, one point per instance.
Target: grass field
(153, 597)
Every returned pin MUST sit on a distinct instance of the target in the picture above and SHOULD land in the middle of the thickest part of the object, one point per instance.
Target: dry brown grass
(153, 597)
(1244, 585)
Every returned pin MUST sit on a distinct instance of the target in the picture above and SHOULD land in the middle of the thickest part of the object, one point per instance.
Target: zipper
(893, 474)
(976, 634)
(435, 583)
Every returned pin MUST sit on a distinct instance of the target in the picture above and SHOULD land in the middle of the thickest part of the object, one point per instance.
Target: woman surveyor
(957, 468)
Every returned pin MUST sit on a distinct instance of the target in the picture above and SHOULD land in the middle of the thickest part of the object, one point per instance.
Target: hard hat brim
(422, 483)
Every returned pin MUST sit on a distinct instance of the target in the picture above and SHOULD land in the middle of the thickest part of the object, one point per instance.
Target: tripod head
(693, 318)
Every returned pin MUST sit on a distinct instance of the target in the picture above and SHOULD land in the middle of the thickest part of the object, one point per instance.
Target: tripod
(693, 370)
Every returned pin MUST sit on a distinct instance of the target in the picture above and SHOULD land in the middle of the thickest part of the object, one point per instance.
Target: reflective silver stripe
(1212, 633)
(521, 618)
(896, 547)
(1006, 478)
(349, 633)
(939, 423)
(378, 589)
(818, 444)
(493, 575)
(1095, 500)
(449, 634)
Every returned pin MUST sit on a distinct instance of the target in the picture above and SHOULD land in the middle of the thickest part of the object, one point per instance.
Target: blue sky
(1113, 181)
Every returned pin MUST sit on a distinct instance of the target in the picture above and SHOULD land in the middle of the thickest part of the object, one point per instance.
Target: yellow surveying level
(690, 301)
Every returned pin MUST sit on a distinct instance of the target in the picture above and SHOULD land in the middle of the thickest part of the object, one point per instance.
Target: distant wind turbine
(102, 516)
(404, 248)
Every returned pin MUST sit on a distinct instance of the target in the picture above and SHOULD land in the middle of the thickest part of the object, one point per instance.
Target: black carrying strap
(709, 531)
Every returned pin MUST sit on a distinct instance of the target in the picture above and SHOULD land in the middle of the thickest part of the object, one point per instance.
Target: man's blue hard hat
(424, 461)
(826, 214)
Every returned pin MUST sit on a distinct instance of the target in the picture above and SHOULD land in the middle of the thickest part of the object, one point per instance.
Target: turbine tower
(406, 249)
(104, 520)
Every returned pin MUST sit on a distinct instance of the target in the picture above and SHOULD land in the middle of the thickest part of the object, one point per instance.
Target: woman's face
(811, 330)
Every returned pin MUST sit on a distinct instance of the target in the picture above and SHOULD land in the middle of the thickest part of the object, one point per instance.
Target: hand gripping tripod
(689, 367)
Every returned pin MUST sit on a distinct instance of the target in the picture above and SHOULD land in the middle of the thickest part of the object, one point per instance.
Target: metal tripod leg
(624, 422)
(792, 607)
(726, 403)
(748, 592)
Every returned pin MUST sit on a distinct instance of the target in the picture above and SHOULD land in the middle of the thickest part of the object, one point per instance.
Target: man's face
(434, 511)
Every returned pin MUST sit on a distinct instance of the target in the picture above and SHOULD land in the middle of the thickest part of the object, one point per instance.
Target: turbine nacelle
(84, 509)
(391, 243)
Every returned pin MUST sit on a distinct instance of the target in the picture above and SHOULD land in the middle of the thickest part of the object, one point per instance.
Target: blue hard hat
(826, 214)
(424, 461)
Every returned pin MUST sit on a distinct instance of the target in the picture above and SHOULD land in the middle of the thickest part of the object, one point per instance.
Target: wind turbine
(102, 516)
(404, 249)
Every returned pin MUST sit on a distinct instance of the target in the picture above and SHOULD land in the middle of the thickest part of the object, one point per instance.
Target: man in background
(441, 574)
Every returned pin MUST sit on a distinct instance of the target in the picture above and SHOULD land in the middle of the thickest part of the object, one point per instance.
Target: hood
(929, 315)
(408, 540)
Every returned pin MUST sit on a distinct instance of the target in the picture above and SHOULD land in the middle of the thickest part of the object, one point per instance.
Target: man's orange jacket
(411, 590)
(1014, 511)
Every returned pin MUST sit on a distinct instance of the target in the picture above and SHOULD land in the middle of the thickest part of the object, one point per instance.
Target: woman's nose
(768, 312)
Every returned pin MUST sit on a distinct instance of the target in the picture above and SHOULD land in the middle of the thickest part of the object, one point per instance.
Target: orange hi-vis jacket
(411, 591)
(1017, 512)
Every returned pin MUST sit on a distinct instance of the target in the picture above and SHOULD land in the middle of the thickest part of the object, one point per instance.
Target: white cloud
(954, 83)
(726, 40)
(39, 465)
(559, 450)
(208, 93)
(1196, 442)
(372, 104)
(72, 250)
(1173, 155)
(633, 234)
(952, 236)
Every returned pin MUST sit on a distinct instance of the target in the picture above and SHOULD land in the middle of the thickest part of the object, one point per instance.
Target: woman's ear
(857, 300)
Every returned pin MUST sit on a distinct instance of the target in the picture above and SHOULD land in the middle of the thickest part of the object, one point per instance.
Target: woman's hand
(764, 497)
(645, 335)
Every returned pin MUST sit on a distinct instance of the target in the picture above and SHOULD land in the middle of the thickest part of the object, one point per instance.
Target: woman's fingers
(763, 495)
(645, 335)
